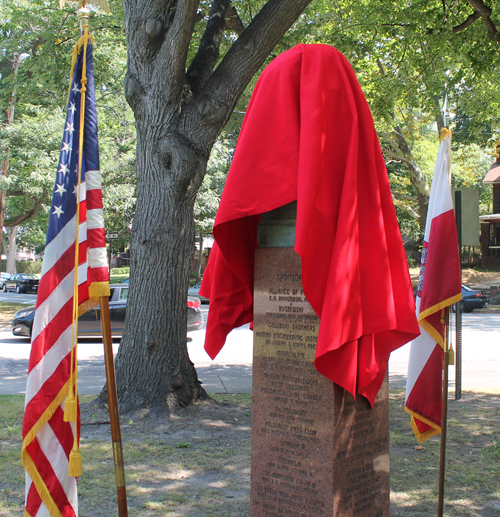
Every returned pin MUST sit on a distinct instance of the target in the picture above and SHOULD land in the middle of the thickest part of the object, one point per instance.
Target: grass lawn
(197, 462)
(116, 279)
(7, 311)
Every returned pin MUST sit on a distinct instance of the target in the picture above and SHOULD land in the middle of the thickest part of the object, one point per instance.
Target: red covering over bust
(308, 135)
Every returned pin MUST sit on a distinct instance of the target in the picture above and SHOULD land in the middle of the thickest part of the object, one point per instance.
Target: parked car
(195, 291)
(21, 283)
(471, 300)
(89, 323)
(3, 277)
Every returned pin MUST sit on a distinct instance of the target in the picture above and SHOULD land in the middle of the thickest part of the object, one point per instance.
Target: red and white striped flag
(439, 286)
(75, 242)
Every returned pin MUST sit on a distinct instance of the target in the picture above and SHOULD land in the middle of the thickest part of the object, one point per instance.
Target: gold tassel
(451, 356)
(70, 409)
(75, 462)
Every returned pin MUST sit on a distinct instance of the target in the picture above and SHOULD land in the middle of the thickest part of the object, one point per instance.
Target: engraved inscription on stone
(361, 457)
(315, 451)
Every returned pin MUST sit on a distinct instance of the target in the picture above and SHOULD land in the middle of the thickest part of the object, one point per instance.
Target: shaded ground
(197, 463)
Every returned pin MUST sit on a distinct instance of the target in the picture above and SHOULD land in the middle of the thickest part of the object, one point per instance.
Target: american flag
(47, 438)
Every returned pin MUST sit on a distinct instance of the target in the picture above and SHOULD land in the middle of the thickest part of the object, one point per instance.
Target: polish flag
(439, 286)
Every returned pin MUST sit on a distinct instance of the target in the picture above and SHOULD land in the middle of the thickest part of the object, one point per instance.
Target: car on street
(21, 283)
(3, 276)
(195, 291)
(471, 300)
(89, 323)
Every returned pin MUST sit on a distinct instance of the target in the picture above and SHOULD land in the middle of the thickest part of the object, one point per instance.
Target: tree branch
(244, 58)
(485, 13)
(159, 36)
(403, 206)
(208, 53)
(233, 21)
(26, 216)
(460, 27)
(469, 21)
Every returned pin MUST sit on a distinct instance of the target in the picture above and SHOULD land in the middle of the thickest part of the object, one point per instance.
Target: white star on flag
(69, 127)
(66, 147)
(75, 88)
(57, 211)
(60, 189)
(72, 108)
(63, 168)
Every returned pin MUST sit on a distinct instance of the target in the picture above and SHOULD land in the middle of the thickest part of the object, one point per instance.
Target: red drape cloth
(308, 135)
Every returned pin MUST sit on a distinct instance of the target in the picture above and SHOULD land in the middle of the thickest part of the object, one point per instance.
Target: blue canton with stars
(65, 190)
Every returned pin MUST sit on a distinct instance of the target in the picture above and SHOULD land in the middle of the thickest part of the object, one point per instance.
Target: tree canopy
(37, 93)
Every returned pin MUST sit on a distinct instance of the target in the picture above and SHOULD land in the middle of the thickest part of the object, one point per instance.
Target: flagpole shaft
(444, 419)
(113, 408)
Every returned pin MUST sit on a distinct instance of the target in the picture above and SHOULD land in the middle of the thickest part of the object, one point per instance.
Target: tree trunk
(3, 199)
(9, 119)
(178, 116)
(153, 366)
(11, 251)
(416, 177)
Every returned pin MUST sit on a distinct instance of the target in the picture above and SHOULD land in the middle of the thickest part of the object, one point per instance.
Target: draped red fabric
(308, 135)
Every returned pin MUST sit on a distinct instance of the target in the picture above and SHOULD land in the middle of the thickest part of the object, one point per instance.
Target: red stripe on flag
(96, 238)
(94, 199)
(50, 334)
(83, 292)
(98, 274)
(83, 211)
(442, 269)
(33, 501)
(426, 398)
(46, 394)
(62, 430)
(60, 270)
(47, 473)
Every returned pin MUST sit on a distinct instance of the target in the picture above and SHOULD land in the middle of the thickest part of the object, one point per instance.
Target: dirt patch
(469, 276)
(472, 276)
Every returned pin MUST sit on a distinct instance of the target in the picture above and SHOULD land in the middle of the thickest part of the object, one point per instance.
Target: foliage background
(408, 57)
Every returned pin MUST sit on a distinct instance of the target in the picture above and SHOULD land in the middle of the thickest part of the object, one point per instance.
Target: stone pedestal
(315, 450)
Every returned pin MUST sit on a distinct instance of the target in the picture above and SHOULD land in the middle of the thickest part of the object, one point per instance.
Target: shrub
(121, 270)
(24, 266)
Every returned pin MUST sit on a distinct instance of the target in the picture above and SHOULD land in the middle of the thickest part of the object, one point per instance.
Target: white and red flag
(439, 286)
(74, 276)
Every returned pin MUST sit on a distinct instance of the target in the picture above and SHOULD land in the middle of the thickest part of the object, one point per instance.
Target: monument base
(315, 450)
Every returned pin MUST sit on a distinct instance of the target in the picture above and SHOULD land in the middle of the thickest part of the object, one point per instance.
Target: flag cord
(70, 409)
(444, 419)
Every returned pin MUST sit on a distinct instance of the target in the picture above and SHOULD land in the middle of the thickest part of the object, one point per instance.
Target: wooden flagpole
(113, 408)
(444, 418)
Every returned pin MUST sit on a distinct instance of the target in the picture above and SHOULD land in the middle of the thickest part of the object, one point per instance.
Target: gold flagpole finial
(83, 16)
(103, 4)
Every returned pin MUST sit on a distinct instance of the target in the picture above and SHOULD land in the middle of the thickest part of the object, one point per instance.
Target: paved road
(232, 369)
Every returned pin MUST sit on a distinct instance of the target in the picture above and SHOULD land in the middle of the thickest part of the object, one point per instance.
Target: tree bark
(178, 117)
(4, 167)
(11, 250)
